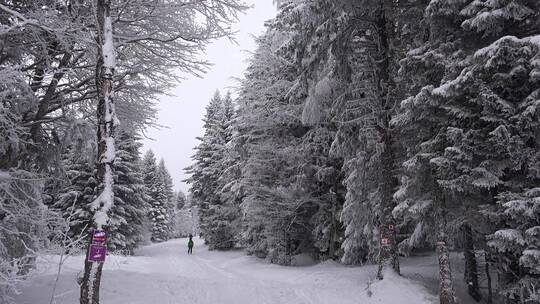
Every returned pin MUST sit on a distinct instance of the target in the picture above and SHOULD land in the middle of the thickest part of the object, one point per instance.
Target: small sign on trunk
(99, 236)
(97, 253)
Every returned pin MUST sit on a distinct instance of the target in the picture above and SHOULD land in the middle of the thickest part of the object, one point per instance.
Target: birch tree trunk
(106, 118)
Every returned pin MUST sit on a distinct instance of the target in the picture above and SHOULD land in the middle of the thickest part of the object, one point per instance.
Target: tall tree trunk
(388, 253)
(91, 280)
(388, 182)
(332, 246)
(471, 270)
(446, 285)
(487, 259)
(106, 118)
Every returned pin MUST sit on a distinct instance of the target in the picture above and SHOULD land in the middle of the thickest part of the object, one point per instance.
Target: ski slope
(165, 274)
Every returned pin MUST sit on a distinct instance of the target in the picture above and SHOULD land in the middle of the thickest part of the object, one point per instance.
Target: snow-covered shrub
(24, 227)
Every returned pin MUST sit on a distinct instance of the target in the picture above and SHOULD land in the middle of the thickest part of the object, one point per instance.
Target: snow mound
(302, 260)
(397, 289)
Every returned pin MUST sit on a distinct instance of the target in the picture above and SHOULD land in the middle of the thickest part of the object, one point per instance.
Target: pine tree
(231, 190)
(168, 196)
(205, 170)
(366, 64)
(424, 205)
(465, 119)
(212, 172)
(74, 200)
(283, 167)
(319, 29)
(497, 132)
(130, 208)
(226, 214)
(158, 203)
(279, 209)
(180, 200)
(186, 219)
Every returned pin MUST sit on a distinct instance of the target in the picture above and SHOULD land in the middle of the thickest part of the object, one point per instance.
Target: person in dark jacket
(190, 245)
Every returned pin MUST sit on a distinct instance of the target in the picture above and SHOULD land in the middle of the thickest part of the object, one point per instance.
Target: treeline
(50, 66)
(368, 129)
(145, 203)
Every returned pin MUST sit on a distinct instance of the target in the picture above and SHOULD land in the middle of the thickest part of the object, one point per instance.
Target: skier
(190, 245)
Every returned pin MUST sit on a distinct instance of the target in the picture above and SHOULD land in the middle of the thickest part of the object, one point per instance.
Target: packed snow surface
(164, 273)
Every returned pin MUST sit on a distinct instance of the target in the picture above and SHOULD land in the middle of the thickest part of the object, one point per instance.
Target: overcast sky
(183, 112)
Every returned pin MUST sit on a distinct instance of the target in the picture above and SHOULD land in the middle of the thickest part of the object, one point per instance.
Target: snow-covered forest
(368, 130)
(366, 136)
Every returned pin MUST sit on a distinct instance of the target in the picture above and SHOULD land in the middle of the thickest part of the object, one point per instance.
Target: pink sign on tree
(97, 253)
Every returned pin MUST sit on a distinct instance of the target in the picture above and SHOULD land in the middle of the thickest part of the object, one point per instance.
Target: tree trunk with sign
(388, 182)
(107, 121)
(388, 253)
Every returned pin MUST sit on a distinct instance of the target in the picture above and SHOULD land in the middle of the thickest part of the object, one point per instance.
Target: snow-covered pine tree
(180, 200)
(226, 214)
(355, 142)
(316, 29)
(130, 207)
(266, 125)
(213, 173)
(168, 192)
(227, 118)
(79, 192)
(129, 212)
(424, 208)
(300, 37)
(501, 82)
(179, 215)
(368, 49)
(471, 117)
(501, 85)
(186, 219)
(158, 200)
(205, 170)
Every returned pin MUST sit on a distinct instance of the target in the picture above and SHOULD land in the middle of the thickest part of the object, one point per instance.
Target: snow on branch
(313, 112)
(23, 21)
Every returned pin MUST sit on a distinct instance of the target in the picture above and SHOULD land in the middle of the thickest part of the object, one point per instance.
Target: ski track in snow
(165, 274)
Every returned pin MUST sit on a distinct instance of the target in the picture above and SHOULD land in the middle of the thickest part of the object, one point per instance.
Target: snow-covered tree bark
(446, 286)
(107, 121)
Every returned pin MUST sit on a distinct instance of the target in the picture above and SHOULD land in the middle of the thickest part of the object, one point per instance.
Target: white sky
(183, 112)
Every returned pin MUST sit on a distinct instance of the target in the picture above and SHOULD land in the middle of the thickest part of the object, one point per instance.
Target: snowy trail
(164, 273)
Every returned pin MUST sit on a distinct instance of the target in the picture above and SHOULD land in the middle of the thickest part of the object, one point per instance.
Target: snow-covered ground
(164, 273)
